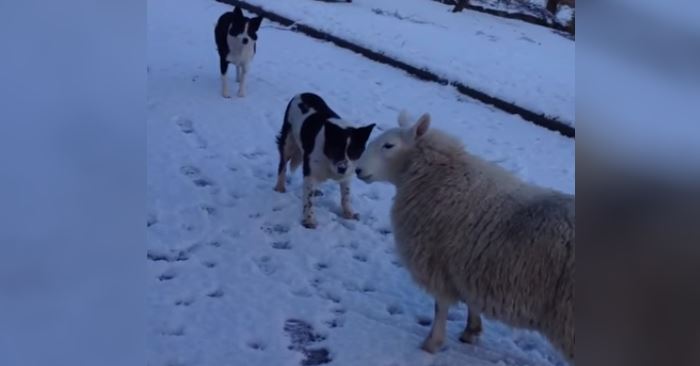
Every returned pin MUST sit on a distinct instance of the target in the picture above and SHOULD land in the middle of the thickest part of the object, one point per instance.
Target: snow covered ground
(526, 64)
(234, 279)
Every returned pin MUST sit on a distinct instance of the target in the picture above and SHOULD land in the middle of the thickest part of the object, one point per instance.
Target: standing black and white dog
(235, 37)
(327, 147)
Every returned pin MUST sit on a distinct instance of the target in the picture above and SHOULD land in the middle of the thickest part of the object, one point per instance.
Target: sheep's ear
(404, 118)
(421, 126)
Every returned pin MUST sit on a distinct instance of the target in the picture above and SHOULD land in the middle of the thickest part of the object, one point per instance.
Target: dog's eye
(387, 146)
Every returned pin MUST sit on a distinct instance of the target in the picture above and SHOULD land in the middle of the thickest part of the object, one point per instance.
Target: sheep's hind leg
(436, 338)
(473, 329)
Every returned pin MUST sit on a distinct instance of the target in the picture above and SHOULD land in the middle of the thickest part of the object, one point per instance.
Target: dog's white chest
(239, 53)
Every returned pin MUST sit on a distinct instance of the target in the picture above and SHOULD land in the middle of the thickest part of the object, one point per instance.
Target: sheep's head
(383, 158)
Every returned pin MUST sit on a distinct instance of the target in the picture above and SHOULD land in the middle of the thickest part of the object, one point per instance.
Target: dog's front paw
(280, 189)
(349, 215)
(241, 93)
(226, 95)
(309, 223)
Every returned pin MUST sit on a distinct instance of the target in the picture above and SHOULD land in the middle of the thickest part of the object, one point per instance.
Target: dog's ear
(333, 132)
(238, 13)
(362, 134)
(254, 24)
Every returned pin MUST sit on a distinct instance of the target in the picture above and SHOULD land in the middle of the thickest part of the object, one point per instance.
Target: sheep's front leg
(436, 337)
(345, 202)
(241, 82)
(473, 329)
(309, 216)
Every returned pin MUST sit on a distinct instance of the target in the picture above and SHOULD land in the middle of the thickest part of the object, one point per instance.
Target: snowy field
(522, 63)
(234, 279)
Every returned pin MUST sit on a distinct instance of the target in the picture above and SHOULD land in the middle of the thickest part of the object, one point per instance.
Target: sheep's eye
(388, 146)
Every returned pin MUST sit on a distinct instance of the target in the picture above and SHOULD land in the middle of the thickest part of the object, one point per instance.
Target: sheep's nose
(245, 40)
(358, 171)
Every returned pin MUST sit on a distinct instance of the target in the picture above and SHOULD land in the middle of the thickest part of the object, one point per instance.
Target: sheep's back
(498, 244)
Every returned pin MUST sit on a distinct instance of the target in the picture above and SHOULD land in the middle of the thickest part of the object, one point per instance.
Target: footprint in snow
(302, 292)
(334, 323)
(195, 175)
(217, 293)
(351, 286)
(394, 309)
(275, 228)
(211, 211)
(187, 301)
(170, 256)
(302, 338)
(265, 265)
(360, 257)
(282, 245)
(372, 196)
(166, 276)
(368, 289)
(151, 220)
(256, 345)
(423, 321)
(177, 331)
(384, 231)
(253, 155)
(330, 296)
(187, 127)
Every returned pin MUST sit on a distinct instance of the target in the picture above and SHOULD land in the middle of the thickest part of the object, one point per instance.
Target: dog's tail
(287, 146)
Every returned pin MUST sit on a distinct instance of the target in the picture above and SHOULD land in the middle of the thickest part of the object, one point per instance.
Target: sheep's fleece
(469, 230)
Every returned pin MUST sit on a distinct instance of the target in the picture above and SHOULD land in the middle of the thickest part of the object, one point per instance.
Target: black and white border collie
(235, 37)
(317, 138)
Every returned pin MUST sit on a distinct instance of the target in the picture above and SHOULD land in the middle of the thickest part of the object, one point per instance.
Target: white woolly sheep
(470, 231)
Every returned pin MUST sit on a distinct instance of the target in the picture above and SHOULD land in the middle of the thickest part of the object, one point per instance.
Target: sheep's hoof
(470, 337)
(309, 224)
(349, 215)
(431, 346)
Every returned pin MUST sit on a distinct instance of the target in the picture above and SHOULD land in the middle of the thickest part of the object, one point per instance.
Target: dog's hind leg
(282, 141)
(223, 65)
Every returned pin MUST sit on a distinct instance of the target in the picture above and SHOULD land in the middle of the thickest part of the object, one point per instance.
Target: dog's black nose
(358, 171)
(245, 40)
(342, 170)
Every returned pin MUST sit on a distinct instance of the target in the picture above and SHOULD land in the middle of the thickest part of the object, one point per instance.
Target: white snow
(229, 264)
(526, 64)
